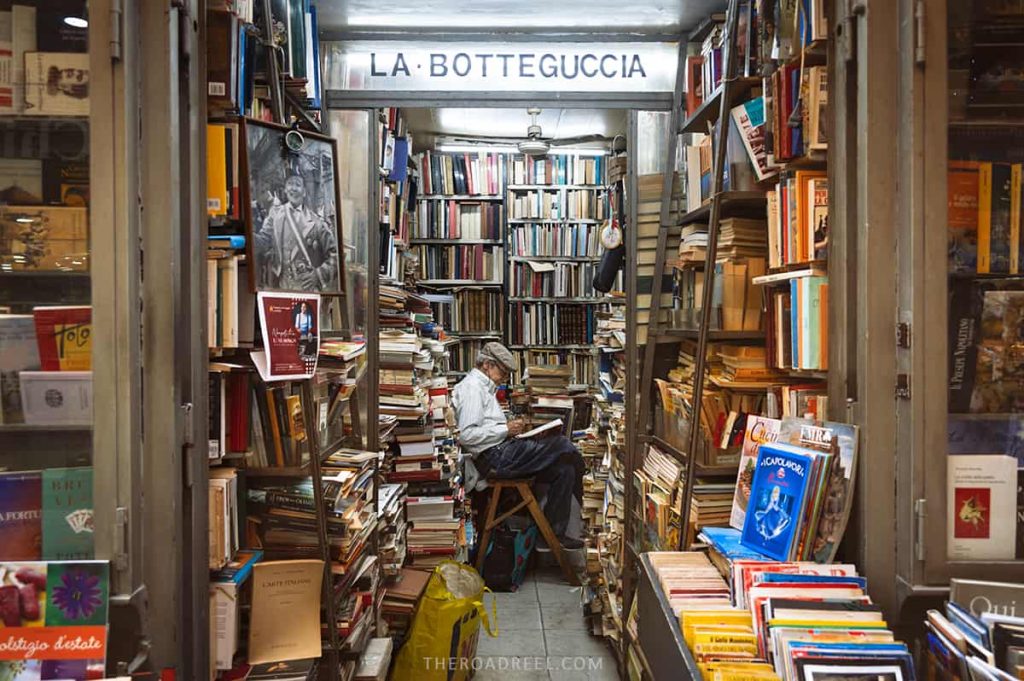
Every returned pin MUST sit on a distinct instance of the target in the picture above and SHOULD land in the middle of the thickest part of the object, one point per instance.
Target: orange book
(962, 198)
(804, 248)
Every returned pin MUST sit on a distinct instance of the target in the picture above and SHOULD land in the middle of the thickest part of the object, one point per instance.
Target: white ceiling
(647, 16)
(426, 124)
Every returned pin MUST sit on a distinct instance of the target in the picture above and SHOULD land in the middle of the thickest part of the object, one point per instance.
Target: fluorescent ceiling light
(76, 22)
(475, 148)
(511, 149)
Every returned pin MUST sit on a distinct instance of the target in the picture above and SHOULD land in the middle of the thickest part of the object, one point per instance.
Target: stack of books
(548, 388)
(977, 633)
(648, 225)
(400, 598)
(659, 486)
(436, 532)
(392, 528)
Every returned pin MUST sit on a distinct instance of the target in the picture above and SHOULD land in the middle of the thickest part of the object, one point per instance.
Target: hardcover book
(44, 238)
(759, 431)
(64, 337)
(781, 479)
(285, 619)
(55, 617)
(18, 352)
(21, 516)
(67, 514)
(982, 503)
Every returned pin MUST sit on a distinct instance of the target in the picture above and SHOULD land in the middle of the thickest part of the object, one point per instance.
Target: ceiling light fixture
(76, 22)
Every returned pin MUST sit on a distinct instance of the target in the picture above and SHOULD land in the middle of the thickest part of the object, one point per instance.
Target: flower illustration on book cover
(973, 505)
(78, 594)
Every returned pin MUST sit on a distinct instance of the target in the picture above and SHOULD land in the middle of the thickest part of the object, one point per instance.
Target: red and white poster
(291, 336)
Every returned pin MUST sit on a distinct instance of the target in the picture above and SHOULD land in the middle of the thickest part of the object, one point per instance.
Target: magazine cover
(55, 620)
(837, 501)
(291, 336)
(759, 430)
(777, 497)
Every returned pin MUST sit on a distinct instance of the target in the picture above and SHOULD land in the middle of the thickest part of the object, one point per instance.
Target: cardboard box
(56, 398)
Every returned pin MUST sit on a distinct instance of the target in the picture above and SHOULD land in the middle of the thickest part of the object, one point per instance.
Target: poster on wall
(54, 618)
(292, 209)
(291, 336)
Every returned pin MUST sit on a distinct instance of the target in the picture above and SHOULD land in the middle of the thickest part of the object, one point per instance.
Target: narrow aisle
(542, 635)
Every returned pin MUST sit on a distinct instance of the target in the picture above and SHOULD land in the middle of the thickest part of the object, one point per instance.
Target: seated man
(489, 438)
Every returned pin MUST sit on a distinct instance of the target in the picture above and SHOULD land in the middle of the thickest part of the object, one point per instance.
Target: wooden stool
(522, 486)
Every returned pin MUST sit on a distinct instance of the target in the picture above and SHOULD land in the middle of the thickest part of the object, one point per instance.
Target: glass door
(970, 523)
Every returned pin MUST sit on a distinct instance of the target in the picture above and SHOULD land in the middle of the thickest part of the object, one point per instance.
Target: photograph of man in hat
(296, 249)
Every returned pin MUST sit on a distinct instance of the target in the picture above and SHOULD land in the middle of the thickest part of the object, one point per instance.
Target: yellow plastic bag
(442, 640)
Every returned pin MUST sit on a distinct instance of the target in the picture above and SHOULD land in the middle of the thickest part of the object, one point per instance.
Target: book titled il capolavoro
(781, 480)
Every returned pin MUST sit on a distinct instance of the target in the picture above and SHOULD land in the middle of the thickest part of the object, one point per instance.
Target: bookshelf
(552, 251)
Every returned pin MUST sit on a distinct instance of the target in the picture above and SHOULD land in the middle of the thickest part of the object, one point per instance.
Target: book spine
(1015, 217)
(984, 218)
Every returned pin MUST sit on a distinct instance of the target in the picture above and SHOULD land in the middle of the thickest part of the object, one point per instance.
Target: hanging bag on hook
(613, 241)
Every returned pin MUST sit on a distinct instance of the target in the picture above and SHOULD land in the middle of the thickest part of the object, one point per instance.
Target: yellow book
(688, 621)
(704, 637)
(767, 674)
(984, 218)
(1015, 207)
(828, 624)
(216, 171)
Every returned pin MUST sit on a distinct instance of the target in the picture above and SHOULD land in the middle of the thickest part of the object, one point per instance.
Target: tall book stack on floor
(648, 222)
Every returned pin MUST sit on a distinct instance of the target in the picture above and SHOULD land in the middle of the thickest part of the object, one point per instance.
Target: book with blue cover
(726, 541)
(777, 497)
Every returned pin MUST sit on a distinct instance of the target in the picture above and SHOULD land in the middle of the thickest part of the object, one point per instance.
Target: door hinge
(919, 32)
(120, 538)
(187, 425)
(903, 334)
(903, 386)
(116, 29)
(919, 527)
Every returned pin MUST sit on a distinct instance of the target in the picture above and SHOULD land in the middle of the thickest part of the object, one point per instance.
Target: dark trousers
(552, 460)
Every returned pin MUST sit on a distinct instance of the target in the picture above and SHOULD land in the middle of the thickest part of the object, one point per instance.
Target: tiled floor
(542, 635)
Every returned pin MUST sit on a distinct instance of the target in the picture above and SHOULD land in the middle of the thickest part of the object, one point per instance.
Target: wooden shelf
(538, 346)
(460, 282)
(786, 277)
(473, 334)
(734, 204)
(554, 258)
(36, 429)
(707, 112)
(713, 334)
(461, 197)
(552, 299)
(557, 221)
(555, 187)
(456, 242)
(969, 276)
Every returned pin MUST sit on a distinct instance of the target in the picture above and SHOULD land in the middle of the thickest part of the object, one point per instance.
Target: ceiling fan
(536, 145)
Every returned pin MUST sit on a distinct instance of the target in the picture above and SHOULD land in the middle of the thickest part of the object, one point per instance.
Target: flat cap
(497, 352)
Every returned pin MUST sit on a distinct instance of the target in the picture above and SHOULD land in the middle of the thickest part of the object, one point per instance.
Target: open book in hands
(549, 426)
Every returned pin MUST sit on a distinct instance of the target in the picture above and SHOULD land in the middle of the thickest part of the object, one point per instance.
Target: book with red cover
(239, 409)
(64, 337)
(415, 476)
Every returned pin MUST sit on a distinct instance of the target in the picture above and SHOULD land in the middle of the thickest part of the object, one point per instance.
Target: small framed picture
(291, 209)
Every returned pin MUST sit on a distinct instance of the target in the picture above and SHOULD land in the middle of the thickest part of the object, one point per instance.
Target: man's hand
(515, 427)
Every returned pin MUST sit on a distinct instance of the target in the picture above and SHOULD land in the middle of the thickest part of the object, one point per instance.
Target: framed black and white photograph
(291, 209)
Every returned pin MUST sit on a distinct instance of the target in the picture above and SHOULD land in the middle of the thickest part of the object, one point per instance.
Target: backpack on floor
(507, 557)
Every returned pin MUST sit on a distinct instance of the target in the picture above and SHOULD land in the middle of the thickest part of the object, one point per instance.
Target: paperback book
(782, 480)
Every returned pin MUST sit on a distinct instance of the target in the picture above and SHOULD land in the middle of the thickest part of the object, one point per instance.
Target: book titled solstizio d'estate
(777, 496)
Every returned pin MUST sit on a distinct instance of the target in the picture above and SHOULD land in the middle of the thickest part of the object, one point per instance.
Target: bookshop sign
(420, 66)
